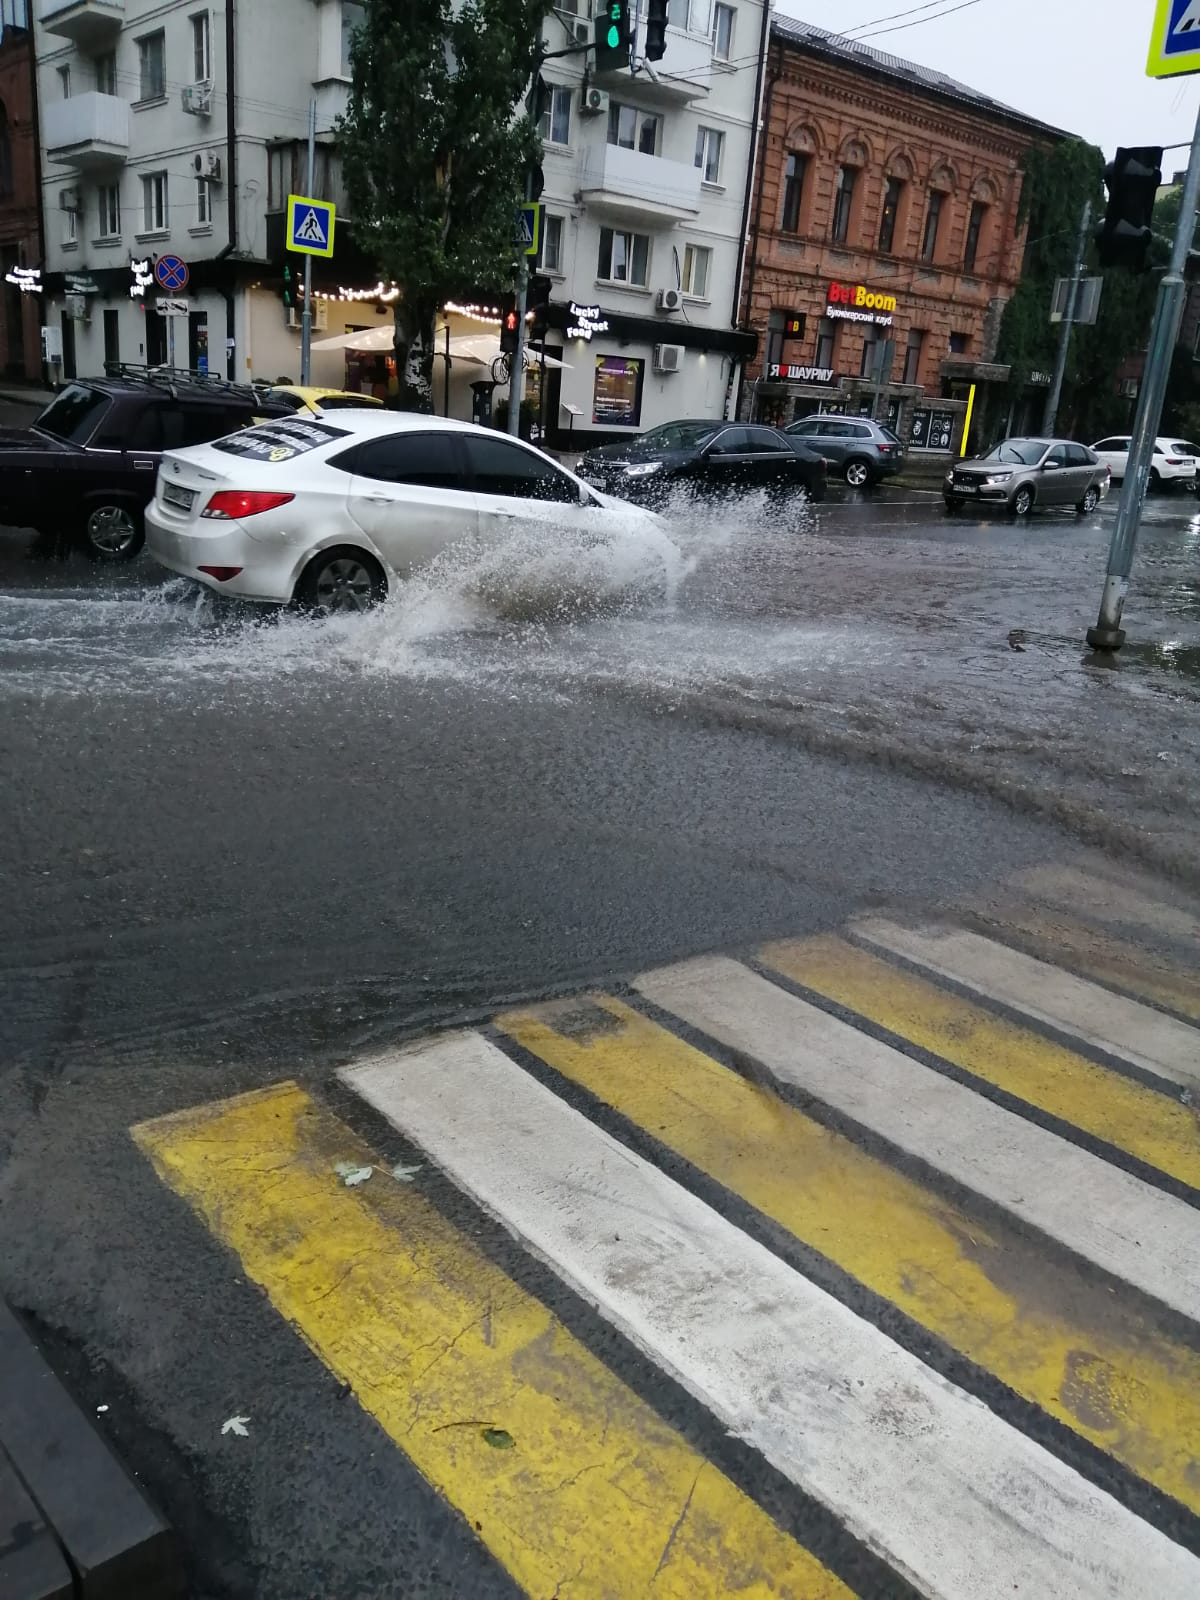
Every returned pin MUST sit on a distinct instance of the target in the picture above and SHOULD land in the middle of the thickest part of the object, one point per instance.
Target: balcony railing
(648, 188)
(88, 131)
(87, 23)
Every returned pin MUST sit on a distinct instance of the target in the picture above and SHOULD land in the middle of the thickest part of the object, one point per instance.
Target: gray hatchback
(1021, 474)
(861, 450)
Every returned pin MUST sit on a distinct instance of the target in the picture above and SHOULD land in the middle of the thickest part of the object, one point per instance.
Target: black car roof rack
(174, 379)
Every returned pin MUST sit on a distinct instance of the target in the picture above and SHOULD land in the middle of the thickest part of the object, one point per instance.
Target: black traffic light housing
(614, 35)
(1133, 179)
(656, 29)
(289, 291)
(538, 303)
(509, 323)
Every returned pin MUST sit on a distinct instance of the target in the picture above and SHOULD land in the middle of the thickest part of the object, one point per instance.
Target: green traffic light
(614, 38)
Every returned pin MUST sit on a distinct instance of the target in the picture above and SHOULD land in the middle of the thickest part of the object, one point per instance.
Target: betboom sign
(857, 303)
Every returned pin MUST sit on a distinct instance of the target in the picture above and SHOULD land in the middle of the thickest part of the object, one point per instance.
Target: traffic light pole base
(1108, 634)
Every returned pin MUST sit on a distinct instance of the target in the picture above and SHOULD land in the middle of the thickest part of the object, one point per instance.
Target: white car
(1175, 461)
(332, 511)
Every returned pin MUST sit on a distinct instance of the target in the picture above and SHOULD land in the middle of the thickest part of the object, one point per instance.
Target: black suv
(88, 465)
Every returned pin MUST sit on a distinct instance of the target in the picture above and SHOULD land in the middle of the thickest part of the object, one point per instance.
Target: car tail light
(885, 449)
(221, 574)
(232, 504)
(1175, 461)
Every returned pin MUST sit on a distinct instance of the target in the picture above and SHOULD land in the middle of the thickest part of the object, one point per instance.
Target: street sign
(172, 273)
(173, 308)
(310, 225)
(1175, 41)
(528, 236)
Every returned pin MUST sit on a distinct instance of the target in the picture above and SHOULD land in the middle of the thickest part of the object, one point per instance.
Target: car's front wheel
(341, 580)
(1089, 502)
(1021, 503)
(952, 503)
(857, 473)
(113, 532)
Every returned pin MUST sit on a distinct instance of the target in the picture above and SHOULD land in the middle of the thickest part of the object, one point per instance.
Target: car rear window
(347, 402)
(1181, 448)
(279, 441)
(892, 438)
(73, 414)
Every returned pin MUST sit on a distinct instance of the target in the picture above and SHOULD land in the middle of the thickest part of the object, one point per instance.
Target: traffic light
(509, 324)
(614, 32)
(656, 30)
(1133, 181)
(538, 302)
(289, 293)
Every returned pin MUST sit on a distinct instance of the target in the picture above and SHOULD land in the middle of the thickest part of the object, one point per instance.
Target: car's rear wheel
(113, 532)
(341, 580)
(1089, 502)
(952, 503)
(1021, 503)
(857, 472)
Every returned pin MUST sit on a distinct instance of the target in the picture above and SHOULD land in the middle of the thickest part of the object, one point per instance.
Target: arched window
(6, 163)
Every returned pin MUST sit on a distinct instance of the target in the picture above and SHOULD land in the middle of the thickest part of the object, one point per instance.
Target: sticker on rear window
(279, 441)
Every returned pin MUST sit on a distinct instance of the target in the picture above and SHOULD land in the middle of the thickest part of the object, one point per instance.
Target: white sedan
(1175, 461)
(332, 511)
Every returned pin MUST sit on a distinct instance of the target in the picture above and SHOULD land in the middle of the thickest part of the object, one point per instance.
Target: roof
(923, 79)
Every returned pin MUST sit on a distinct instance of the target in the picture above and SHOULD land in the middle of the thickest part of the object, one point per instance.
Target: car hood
(26, 439)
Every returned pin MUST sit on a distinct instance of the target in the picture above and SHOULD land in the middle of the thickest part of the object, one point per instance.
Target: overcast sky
(1079, 64)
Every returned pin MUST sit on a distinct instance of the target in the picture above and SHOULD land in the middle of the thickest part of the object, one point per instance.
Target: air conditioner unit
(668, 358)
(207, 164)
(582, 32)
(69, 200)
(669, 300)
(595, 102)
(197, 98)
(320, 318)
(1130, 388)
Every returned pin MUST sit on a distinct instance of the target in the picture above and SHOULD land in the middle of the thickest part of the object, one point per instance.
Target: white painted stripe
(962, 1504)
(1116, 903)
(1127, 1227)
(1124, 1028)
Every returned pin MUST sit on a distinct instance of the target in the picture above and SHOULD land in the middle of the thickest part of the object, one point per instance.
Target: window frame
(553, 227)
(549, 472)
(914, 352)
(843, 204)
(932, 225)
(155, 184)
(106, 72)
(630, 282)
(693, 253)
(723, 12)
(109, 214)
(64, 80)
(795, 171)
(201, 47)
(827, 333)
(204, 203)
(975, 221)
(705, 137)
(558, 97)
(352, 460)
(146, 44)
(889, 213)
(642, 119)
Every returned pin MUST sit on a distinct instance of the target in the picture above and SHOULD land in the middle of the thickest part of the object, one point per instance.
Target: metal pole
(446, 386)
(306, 315)
(1108, 633)
(516, 378)
(171, 343)
(1050, 416)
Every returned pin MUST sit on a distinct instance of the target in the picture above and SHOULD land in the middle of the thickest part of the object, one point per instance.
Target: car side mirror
(1049, 466)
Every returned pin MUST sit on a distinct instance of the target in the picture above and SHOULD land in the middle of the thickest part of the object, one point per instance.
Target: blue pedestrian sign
(528, 235)
(310, 226)
(1175, 42)
(172, 273)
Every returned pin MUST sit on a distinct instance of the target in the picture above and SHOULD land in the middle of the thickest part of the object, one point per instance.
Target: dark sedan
(717, 458)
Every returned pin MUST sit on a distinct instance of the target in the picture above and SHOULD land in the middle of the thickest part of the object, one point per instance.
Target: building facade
(645, 211)
(20, 221)
(884, 242)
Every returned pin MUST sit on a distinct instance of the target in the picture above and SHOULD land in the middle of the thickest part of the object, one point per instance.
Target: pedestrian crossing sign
(528, 234)
(1175, 42)
(310, 226)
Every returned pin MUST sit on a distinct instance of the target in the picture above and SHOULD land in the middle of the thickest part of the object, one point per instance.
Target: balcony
(684, 74)
(88, 23)
(88, 132)
(627, 184)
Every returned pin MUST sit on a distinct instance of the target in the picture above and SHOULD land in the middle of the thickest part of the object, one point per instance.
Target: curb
(73, 1524)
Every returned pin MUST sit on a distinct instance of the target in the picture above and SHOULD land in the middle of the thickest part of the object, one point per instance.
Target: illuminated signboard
(27, 279)
(142, 273)
(857, 303)
(588, 320)
(782, 371)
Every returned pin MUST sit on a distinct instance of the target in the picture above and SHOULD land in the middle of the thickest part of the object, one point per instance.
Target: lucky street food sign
(857, 303)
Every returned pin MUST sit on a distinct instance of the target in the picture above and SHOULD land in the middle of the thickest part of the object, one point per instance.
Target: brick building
(884, 239)
(20, 228)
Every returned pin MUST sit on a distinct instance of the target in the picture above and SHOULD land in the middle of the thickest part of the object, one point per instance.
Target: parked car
(716, 457)
(311, 397)
(87, 465)
(330, 513)
(1174, 464)
(1021, 474)
(861, 450)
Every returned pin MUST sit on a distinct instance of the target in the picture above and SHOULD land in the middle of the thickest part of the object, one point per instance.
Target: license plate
(180, 498)
(967, 488)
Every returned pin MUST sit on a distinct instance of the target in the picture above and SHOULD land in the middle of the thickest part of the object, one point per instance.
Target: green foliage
(435, 146)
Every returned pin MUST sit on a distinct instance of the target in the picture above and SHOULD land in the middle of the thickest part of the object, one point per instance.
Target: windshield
(73, 414)
(1018, 452)
(677, 436)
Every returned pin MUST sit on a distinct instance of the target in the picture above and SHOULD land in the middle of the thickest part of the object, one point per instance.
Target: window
(1078, 456)
(870, 354)
(765, 441)
(552, 243)
(152, 66)
(887, 218)
(501, 468)
(932, 219)
(733, 442)
(64, 83)
(959, 343)
(724, 22)
(106, 72)
(974, 229)
(353, 16)
(793, 190)
(154, 202)
(73, 414)
(697, 262)
(624, 257)
(201, 62)
(6, 165)
(112, 337)
(555, 124)
(826, 341)
(617, 391)
(709, 144)
(843, 199)
(912, 356)
(697, 15)
(632, 129)
(70, 227)
(429, 459)
(108, 201)
(203, 203)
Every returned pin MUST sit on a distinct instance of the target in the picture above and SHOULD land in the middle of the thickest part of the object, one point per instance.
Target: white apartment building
(647, 174)
(178, 127)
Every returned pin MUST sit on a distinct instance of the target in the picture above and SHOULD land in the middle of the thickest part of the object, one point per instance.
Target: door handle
(144, 466)
(379, 499)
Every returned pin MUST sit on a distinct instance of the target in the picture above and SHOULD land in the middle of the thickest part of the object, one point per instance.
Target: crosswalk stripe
(1119, 904)
(1126, 1114)
(1121, 1027)
(960, 1503)
(1103, 1214)
(1110, 1376)
(569, 1478)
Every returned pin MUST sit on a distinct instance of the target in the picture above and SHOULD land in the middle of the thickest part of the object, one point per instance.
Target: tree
(435, 147)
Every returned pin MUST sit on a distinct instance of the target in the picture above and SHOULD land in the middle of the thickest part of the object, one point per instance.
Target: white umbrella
(365, 339)
(485, 347)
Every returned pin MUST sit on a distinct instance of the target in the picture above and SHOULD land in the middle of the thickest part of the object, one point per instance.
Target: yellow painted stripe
(1158, 1130)
(596, 1492)
(1075, 1349)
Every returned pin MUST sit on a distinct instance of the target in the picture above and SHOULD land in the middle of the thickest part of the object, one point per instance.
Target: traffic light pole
(1064, 338)
(516, 376)
(1108, 634)
(306, 315)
